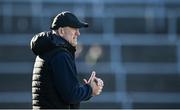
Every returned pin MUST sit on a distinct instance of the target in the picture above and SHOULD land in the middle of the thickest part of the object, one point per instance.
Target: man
(55, 84)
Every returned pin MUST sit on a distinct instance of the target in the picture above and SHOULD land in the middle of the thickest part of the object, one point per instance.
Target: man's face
(70, 34)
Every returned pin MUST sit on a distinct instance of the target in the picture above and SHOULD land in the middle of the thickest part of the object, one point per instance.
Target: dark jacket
(55, 83)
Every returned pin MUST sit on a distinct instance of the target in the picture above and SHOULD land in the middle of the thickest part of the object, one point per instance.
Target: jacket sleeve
(66, 81)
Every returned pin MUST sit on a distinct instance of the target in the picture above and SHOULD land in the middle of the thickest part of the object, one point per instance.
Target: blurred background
(133, 45)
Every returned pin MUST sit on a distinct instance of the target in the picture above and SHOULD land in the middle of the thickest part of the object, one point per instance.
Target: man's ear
(61, 31)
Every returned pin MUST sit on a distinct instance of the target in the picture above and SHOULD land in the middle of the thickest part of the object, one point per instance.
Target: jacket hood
(41, 43)
(44, 42)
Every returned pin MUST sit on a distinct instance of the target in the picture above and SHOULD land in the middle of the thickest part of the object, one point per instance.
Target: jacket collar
(61, 42)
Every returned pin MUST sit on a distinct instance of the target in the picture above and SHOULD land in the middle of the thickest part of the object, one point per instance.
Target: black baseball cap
(67, 18)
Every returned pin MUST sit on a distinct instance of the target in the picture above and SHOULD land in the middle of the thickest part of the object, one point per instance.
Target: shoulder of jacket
(62, 54)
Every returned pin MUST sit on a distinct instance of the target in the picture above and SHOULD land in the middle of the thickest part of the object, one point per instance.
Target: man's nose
(78, 32)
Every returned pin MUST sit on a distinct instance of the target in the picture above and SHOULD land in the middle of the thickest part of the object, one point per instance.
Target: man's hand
(96, 84)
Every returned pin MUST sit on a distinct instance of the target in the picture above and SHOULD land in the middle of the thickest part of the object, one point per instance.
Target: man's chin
(74, 45)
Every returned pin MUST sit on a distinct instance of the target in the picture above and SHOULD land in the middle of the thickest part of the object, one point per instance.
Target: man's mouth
(75, 40)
